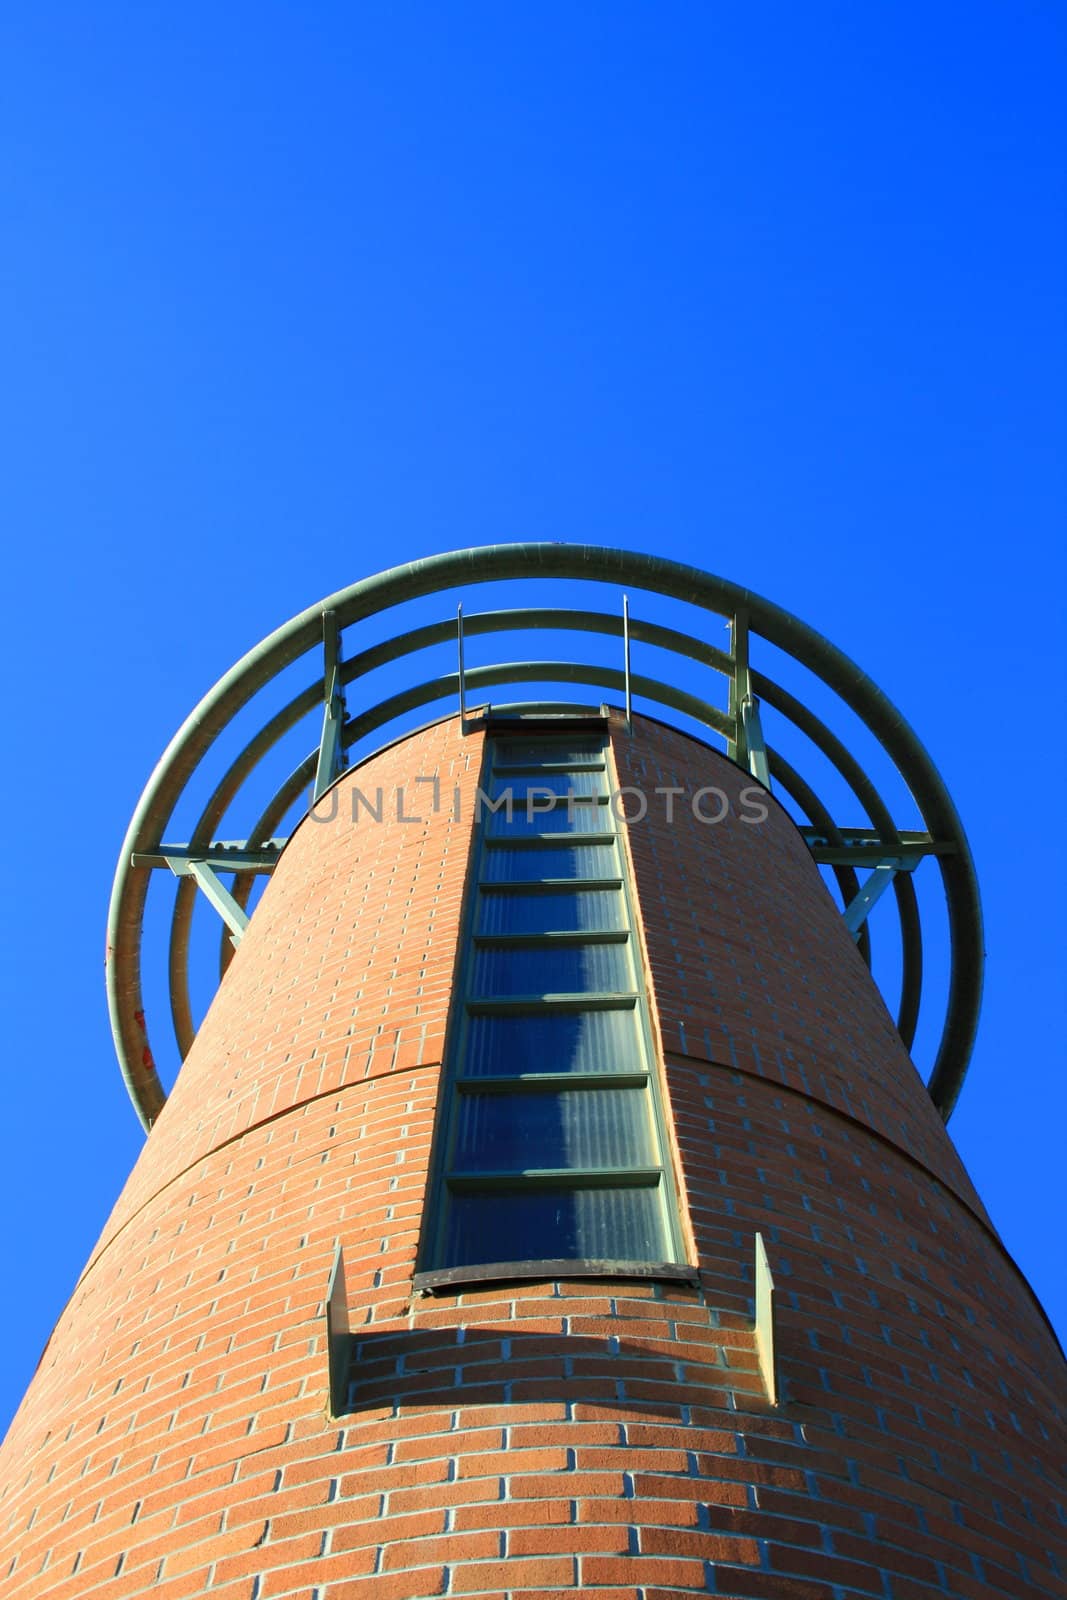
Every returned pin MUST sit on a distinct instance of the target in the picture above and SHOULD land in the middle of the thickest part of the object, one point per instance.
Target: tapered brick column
(567, 1436)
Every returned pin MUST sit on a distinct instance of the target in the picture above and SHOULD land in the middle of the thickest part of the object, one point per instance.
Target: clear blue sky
(294, 293)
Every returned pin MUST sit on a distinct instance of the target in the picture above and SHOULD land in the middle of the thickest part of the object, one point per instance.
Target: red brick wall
(563, 1437)
(189, 1366)
(751, 967)
(926, 1391)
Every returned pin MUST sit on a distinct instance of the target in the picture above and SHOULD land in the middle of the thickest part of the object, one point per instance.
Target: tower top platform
(212, 805)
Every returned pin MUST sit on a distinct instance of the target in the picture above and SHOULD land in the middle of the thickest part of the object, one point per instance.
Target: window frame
(642, 1078)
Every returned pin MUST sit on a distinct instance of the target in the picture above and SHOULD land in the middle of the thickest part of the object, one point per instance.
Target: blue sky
(292, 294)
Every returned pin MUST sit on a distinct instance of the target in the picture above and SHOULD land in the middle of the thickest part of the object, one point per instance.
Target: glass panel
(506, 865)
(580, 816)
(575, 1128)
(552, 969)
(554, 1041)
(561, 783)
(542, 1224)
(547, 752)
(579, 1128)
(591, 910)
(527, 752)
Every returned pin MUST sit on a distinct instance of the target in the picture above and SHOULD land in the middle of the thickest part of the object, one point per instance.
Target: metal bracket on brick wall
(865, 847)
(765, 1322)
(870, 893)
(738, 685)
(204, 864)
(746, 745)
(234, 916)
(755, 748)
(462, 670)
(626, 663)
(222, 855)
(331, 759)
(338, 1335)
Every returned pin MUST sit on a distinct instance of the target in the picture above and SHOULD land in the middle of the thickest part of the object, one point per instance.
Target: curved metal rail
(842, 849)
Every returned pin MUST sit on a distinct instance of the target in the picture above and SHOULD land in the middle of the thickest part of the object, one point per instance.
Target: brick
(745, 1583)
(511, 1514)
(703, 1546)
(497, 1463)
(640, 1513)
(603, 1538)
(596, 1570)
(545, 1487)
(418, 1584)
(536, 1572)
(450, 1547)
(377, 1530)
(190, 1364)
(834, 1568)
(431, 1497)
(213, 1549)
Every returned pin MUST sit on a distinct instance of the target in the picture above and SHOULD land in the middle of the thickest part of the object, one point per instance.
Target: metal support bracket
(331, 752)
(626, 661)
(764, 1285)
(871, 892)
(864, 847)
(462, 670)
(747, 745)
(755, 749)
(739, 684)
(222, 855)
(234, 916)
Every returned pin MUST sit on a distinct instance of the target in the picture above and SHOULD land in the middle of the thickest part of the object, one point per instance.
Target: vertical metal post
(747, 746)
(462, 679)
(755, 749)
(331, 760)
(626, 661)
(736, 746)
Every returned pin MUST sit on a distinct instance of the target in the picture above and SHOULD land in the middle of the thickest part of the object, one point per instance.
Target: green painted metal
(740, 686)
(233, 915)
(462, 669)
(551, 1082)
(557, 1178)
(859, 845)
(755, 746)
(859, 855)
(568, 936)
(221, 857)
(882, 875)
(462, 569)
(330, 762)
(627, 685)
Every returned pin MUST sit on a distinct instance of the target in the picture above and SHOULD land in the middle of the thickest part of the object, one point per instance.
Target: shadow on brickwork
(497, 1366)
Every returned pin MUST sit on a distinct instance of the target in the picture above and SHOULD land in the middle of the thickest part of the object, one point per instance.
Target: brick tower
(547, 1203)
